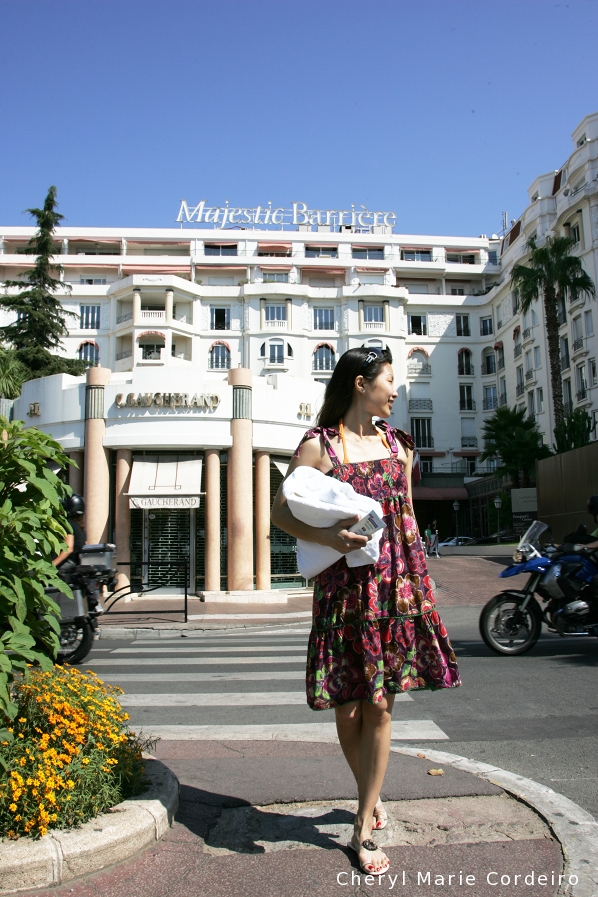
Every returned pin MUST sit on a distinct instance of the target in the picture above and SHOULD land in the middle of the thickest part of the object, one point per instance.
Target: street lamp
(498, 506)
(456, 507)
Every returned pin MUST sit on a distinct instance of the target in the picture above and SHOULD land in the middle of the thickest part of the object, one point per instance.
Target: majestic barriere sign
(266, 216)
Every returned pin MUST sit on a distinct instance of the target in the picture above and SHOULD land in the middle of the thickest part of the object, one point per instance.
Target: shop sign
(225, 216)
(163, 501)
(205, 401)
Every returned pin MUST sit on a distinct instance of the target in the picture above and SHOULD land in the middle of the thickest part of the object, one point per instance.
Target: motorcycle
(78, 617)
(564, 579)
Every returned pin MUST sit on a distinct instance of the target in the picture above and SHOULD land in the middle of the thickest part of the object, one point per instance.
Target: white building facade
(214, 344)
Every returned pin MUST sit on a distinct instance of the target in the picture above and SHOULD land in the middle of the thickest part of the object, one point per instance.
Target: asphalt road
(535, 715)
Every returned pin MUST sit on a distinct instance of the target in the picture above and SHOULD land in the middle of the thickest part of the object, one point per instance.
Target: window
(588, 323)
(89, 352)
(220, 318)
(490, 398)
(276, 352)
(89, 317)
(592, 372)
(321, 252)
(276, 313)
(565, 362)
(485, 326)
(219, 357)
(515, 302)
(421, 430)
(426, 465)
(531, 405)
(488, 362)
(151, 351)
(368, 252)
(323, 319)
(275, 277)
(463, 325)
(580, 377)
(577, 334)
(220, 249)
(575, 233)
(528, 362)
(416, 324)
(416, 255)
(457, 291)
(464, 365)
(567, 396)
(534, 318)
(540, 399)
(492, 257)
(519, 377)
(460, 258)
(373, 314)
(500, 357)
(466, 402)
(417, 287)
(581, 140)
(371, 278)
(502, 400)
(537, 358)
(93, 281)
(324, 358)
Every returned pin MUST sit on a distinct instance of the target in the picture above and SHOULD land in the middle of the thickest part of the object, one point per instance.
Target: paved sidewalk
(274, 818)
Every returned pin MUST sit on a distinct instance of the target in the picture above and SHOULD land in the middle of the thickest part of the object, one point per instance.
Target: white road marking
(193, 661)
(186, 648)
(408, 730)
(274, 617)
(236, 699)
(230, 676)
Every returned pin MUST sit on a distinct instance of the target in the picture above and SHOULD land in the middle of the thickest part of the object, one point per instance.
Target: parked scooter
(566, 580)
(78, 617)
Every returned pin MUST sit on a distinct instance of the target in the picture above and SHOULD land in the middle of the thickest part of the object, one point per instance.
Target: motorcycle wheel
(75, 642)
(507, 630)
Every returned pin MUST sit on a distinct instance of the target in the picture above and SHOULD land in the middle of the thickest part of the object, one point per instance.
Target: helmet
(593, 506)
(74, 505)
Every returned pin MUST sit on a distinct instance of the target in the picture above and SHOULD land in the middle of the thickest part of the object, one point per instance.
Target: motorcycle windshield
(532, 536)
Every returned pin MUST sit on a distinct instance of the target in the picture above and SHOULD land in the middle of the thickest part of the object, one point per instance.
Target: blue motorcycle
(566, 581)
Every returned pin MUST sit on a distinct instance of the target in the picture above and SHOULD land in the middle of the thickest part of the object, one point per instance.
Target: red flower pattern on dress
(376, 629)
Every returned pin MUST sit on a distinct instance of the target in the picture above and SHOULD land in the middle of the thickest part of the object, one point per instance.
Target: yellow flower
(12, 808)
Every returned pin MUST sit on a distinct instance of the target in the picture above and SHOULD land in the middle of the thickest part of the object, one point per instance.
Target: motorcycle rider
(74, 507)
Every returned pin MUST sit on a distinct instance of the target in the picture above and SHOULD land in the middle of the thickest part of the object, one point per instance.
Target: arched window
(324, 358)
(464, 365)
(488, 361)
(219, 357)
(276, 351)
(89, 352)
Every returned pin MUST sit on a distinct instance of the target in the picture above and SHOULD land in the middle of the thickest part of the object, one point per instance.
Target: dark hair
(339, 392)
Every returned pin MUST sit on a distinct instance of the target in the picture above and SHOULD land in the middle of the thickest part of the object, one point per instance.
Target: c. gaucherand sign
(266, 216)
(144, 502)
(205, 401)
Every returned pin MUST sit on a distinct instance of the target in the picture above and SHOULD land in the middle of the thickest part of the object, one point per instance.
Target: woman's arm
(70, 542)
(408, 474)
(336, 536)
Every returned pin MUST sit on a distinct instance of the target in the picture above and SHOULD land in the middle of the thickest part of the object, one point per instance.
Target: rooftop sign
(266, 216)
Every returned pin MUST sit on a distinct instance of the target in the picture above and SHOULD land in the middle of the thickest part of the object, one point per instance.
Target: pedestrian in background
(434, 548)
(375, 631)
(428, 539)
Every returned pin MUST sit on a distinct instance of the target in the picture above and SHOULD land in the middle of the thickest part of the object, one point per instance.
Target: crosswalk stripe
(186, 648)
(245, 699)
(407, 730)
(229, 676)
(177, 660)
(273, 617)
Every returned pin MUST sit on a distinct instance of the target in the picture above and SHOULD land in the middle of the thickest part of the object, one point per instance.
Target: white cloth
(322, 501)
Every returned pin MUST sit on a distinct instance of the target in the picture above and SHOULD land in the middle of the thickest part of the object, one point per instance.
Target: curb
(109, 838)
(174, 630)
(574, 828)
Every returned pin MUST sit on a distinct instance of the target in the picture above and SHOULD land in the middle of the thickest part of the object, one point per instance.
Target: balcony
(490, 404)
(500, 364)
(527, 333)
(420, 405)
(127, 354)
(517, 350)
(519, 389)
(423, 440)
(502, 399)
(578, 344)
(561, 317)
(374, 325)
(469, 442)
(122, 318)
(466, 405)
(419, 370)
(582, 394)
(465, 370)
(489, 369)
(565, 362)
(276, 325)
(153, 315)
(529, 375)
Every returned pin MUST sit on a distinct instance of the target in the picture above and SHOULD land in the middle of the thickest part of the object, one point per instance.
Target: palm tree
(514, 440)
(12, 375)
(552, 273)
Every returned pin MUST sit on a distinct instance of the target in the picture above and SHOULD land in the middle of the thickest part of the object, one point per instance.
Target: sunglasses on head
(372, 355)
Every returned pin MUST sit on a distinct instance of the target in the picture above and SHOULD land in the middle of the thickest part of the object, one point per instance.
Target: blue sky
(442, 111)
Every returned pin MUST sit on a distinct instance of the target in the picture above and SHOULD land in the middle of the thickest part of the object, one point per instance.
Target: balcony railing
(529, 375)
(423, 441)
(469, 442)
(489, 367)
(420, 404)
(500, 364)
(122, 318)
(121, 355)
(413, 370)
(465, 370)
(582, 394)
(276, 325)
(466, 405)
(520, 389)
(373, 325)
(502, 399)
(158, 315)
(578, 344)
(565, 362)
(517, 350)
(561, 317)
(527, 333)
(490, 404)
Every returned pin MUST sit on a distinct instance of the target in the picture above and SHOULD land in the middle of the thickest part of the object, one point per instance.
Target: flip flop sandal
(370, 846)
(380, 817)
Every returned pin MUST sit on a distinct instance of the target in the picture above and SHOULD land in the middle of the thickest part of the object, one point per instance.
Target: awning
(498, 345)
(380, 270)
(281, 268)
(283, 466)
(220, 268)
(157, 269)
(165, 481)
(441, 493)
(309, 270)
(274, 247)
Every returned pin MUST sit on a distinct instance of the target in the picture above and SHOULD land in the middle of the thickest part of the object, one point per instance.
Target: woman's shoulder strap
(323, 433)
(395, 435)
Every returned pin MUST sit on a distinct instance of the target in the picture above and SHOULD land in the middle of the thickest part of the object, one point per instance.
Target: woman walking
(375, 631)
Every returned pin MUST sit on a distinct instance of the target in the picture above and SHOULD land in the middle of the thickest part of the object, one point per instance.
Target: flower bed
(71, 756)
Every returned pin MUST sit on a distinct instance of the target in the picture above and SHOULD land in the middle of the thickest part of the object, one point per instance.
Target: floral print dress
(375, 627)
